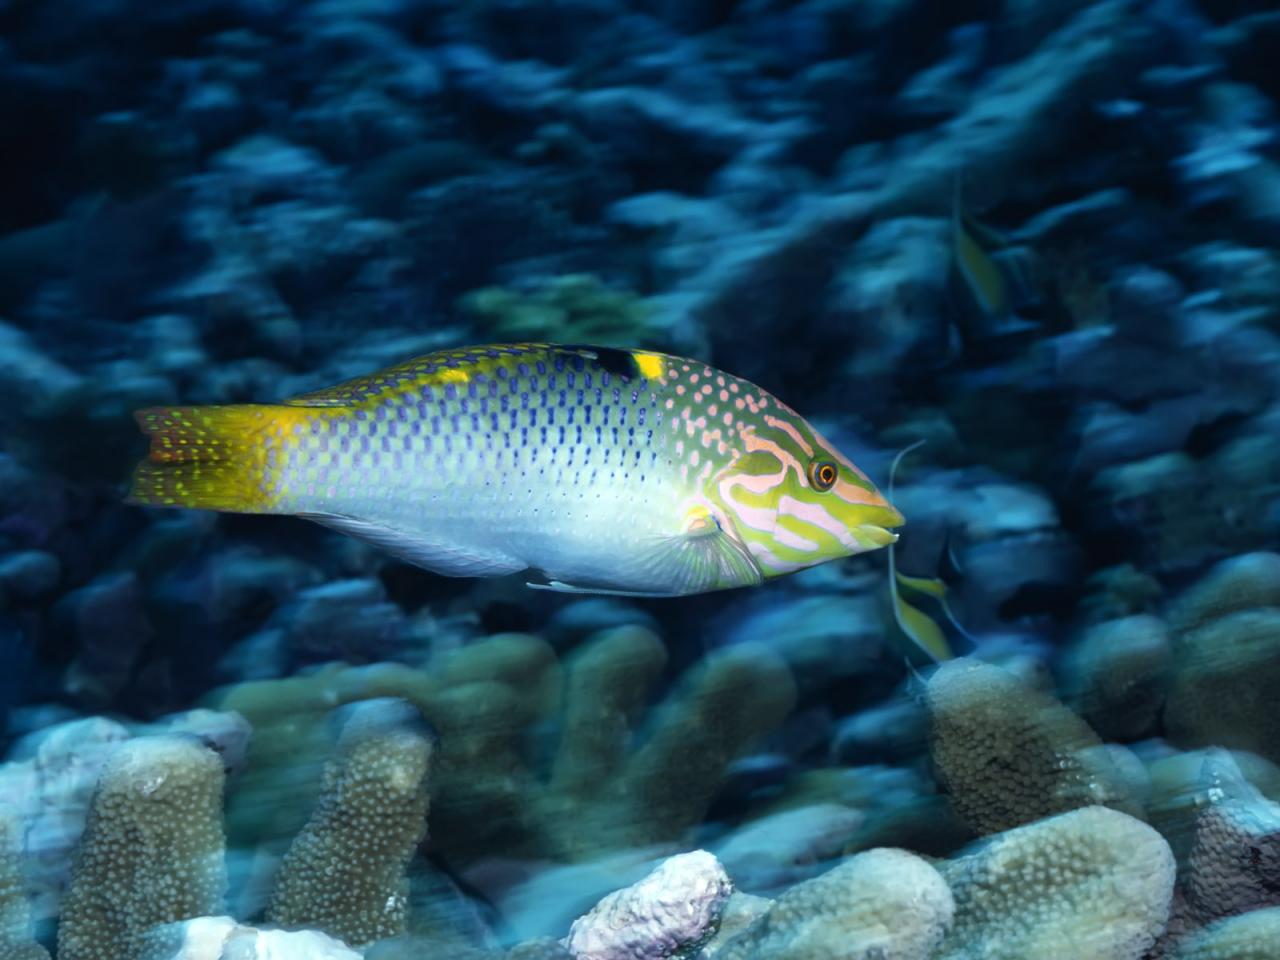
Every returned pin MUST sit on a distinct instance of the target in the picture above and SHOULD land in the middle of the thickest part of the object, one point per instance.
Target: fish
(599, 469)
(921, 629)
(990, 291)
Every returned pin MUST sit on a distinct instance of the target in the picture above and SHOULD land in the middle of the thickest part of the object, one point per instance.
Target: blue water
(1041, 236)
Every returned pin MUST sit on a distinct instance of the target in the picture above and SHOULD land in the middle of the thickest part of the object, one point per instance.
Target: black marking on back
(613, 360)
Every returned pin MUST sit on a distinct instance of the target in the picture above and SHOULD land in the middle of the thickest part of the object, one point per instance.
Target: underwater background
(1043, 236)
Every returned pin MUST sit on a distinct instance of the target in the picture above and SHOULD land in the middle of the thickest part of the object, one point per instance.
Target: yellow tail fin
(212, 458)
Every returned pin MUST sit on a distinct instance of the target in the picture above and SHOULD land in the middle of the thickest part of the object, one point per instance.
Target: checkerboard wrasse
(603, 470)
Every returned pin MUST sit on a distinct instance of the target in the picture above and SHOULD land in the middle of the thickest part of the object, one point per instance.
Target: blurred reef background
(1042, 235)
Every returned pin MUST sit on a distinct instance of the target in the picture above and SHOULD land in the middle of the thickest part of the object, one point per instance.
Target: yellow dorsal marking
(453, 375)
(649, 364)
(698, 521)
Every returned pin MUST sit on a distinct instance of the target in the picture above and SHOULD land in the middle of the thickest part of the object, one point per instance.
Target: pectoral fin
(701, 559)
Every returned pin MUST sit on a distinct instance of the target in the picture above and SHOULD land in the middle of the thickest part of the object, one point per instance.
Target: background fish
(604, 469)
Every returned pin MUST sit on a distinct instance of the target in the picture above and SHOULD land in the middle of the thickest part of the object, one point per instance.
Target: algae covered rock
(883, 904)
(1009, 754)
(1092, 884)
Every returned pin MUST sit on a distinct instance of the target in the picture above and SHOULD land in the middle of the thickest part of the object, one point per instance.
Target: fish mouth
(874, 535)
(874, 530)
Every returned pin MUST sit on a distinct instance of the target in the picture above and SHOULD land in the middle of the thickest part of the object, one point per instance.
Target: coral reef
(1041, 234)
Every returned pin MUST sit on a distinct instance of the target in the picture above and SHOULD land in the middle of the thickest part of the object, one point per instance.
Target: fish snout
(875, 523)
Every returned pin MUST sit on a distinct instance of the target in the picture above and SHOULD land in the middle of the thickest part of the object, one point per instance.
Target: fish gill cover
(1041, 236)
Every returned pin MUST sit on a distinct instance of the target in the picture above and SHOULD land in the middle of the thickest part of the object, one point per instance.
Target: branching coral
(617, 776)
(1009, 754)
(152, 850)
(345, 873)
(1093, 884)
(15, 914)
(880, 905)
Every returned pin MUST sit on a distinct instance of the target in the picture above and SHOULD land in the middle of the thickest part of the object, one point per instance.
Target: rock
(263, 165)
(674, 909)
(224, 732)
(896, 730)
(1226, 161)
(222, 938)
(740, 911)
(824, 639)
(29, 377)
(29, 574)
(892, 289)
(343, 620)
(1240, 583)
(539, 901)
(763, 856)
(1115, 676)
(1162, 504)
(1223, 684)
(109, 628)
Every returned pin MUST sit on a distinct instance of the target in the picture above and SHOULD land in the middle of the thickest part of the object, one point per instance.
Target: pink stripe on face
(792, 432)
(814, 514)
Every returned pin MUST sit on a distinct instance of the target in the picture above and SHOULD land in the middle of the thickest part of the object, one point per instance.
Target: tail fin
(212, 458)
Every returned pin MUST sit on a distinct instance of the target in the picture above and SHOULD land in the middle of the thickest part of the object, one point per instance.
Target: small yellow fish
(916, 625)
(605, 470)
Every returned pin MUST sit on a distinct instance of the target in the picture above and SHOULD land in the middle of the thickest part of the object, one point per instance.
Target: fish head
(795, 501)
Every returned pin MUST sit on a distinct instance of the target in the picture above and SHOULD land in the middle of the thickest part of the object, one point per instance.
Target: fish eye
(822, 475)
